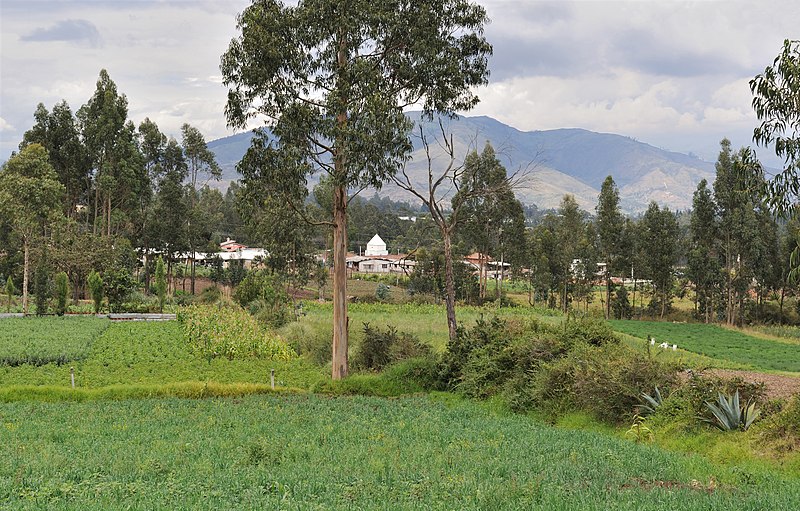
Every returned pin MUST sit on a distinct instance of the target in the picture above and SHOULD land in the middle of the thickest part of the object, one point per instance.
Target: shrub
(95, 283)
(379, 348)
(263, 295)
(61, 292)
(117, 284)
(591, 331)
(10, 290)
(160, 284)
(382, 292)
(467, 342)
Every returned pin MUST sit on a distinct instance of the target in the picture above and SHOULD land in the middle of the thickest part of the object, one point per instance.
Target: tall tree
(118, 166)
(57, 131)
(660, 238)
(29, 195)
(332, 79)
(199, 159)
(610, 223)
(491, 214)
(776, 103)
(703, 267)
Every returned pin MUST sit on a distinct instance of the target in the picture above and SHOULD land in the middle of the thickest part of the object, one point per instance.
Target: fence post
(72, 376)
(272, 378)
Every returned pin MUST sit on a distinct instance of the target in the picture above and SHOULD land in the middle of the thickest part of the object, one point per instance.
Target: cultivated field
(307, 452)
(720, 343)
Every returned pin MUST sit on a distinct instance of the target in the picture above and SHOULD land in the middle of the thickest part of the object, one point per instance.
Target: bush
(117, 285)
(595, 332)
(379, 348)
(263, 295)
(382, 292)
(95, 283)
(41, 287)
(61, 292)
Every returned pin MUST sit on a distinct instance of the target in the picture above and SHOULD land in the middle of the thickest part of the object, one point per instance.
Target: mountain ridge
(564, 160)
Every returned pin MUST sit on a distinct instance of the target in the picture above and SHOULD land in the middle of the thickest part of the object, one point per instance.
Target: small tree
(10, 290)
(41, 286)
(161, 284)
(61, 292)
(118, 285)
(96, 290)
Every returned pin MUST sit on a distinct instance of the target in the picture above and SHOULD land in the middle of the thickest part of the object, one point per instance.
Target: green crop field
(40, 341)
(148, 353)
(716, 342)
(308, 452)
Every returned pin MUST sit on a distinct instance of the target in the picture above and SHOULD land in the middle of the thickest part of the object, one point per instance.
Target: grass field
(40, 341)
(307, 452)
(719, 343)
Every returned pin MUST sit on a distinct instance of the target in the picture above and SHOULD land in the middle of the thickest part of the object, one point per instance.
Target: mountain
(557, 162)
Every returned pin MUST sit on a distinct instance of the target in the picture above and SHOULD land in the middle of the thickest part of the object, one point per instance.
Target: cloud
(5, 126)
(81, 32)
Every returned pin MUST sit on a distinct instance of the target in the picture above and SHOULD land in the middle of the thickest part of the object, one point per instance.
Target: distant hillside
(574, 161)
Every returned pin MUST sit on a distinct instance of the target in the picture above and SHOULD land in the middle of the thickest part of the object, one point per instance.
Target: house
(376, 247)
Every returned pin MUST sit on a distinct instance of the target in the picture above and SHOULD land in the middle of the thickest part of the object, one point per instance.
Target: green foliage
(720, 343)
(61, 292)
(117, 286)
(728, 415)
(95, 283)
(42, 286)
(621, 305)
(9, 289)
(309, 342)
(639, 432)
(160, 283)
(652, 402)
(379, 348)
(382, 292)
(595, 332)
(263, 294)
(40, 341)
(230, 333)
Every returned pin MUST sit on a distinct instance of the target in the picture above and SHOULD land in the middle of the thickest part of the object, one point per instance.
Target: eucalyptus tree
(776, 103)
(199, 159)
(57, 131)
(660, 241)
(703, 258)
(610, 230)
(30, 194)
(491, 214)
(331, 80)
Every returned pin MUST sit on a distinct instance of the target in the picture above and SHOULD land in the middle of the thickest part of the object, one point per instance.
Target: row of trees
(89, 187)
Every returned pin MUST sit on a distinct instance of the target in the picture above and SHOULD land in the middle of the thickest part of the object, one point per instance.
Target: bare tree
(441, 184)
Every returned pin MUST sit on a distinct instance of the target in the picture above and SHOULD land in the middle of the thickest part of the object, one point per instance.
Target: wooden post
(272, 378)
(72, 376)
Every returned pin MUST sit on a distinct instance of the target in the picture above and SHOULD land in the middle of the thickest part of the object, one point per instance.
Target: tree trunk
(340, 320)
(26, 265)
(450, 287)
(608, 293)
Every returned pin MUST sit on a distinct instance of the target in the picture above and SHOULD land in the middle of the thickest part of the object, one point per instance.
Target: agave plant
(728, 415)
(652, 402)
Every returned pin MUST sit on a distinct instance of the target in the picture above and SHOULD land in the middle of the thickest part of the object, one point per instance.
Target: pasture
(720, 343)
(309, 452)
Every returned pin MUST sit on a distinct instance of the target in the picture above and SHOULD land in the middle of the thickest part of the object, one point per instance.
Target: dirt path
(777, 385)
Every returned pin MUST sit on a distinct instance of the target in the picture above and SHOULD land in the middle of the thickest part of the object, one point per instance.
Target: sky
(672, 74)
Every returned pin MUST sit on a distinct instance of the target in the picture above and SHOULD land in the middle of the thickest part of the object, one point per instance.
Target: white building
(376, 247)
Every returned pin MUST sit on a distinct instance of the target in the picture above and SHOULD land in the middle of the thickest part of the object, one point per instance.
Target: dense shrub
(262, 293)
(41, 286)
(591, 331)
(117, 286)
(95, 282)
(61, 292)
(379, 348)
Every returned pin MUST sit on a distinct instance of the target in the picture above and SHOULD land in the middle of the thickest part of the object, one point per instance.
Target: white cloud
(5, 126)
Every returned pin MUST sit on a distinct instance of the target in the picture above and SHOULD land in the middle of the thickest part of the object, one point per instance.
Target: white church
(376, 259)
